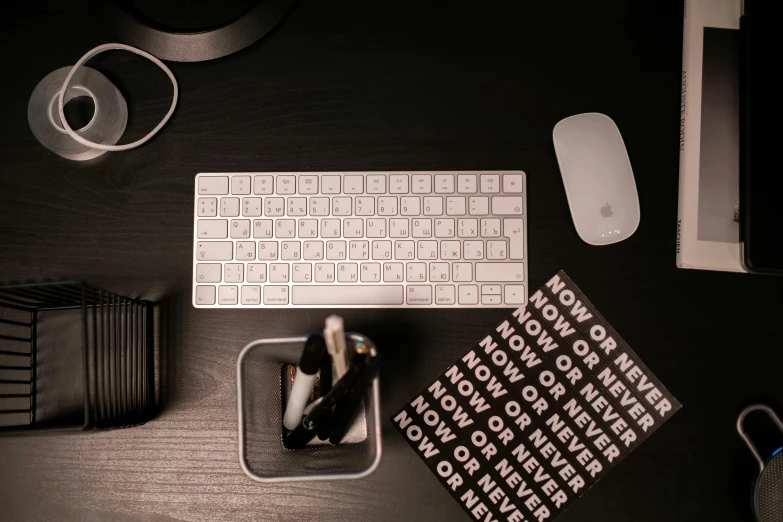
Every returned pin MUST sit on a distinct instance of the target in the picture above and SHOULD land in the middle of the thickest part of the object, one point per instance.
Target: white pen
(334, 334)
(309, 364)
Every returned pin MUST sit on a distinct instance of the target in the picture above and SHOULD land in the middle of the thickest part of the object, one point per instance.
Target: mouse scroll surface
(598, 178)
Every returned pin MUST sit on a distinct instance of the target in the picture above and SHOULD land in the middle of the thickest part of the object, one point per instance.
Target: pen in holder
(260, 403)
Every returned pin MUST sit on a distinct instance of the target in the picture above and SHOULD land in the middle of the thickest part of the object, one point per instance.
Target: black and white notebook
(536, 412)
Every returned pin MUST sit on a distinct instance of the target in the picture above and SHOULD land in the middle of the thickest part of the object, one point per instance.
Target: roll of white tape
(105, 127)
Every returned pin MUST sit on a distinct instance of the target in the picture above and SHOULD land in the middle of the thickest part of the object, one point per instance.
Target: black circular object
(768, 491)
(174, 34)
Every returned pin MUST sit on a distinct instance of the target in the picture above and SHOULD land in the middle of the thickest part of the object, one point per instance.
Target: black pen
(310, 360)
(326, 384)
(309, 426)
(346, 409)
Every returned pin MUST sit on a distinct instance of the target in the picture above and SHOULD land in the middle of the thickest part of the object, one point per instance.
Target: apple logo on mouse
(606, 210)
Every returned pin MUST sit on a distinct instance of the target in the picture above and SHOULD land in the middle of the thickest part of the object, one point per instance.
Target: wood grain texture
(358, 85)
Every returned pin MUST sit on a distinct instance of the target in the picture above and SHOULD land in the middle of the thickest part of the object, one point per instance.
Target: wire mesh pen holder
(73, 356)
(260, 411)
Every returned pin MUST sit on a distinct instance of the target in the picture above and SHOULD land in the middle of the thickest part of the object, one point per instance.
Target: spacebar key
(347, 295)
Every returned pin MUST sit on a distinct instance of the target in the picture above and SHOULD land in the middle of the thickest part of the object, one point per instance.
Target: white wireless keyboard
(360, 239)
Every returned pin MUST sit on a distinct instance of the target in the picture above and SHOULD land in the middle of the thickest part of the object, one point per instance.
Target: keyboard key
(335, 250)
(208, 273)
(353, 227)
(251, 295)
(285, 228)
(466, 183)
(365, 206)
(455, 206)
(496, 250)
(410, 205)
(462, 272)
(308, 228)
(330, 185)
(404, 249)
(433, 206)
(474, 250)
(286, 184)
(467, 227)
(267, 250)
(213, 185)
(507, 205)
(330, 228)
(228, 295)
(421, 227)
(512, 229)
(308, 184)
(421, 184)
(324, 273)
(353, 184)
(342, 206)
(302, 273)
(313, 250)
(398, 184)
(263, 184)
(348, 295)
(205, 295)
(416, 272)
(371, 272)
(245, 251)
(347, 272)
(275, 295)
(212, 229)
(256, 273)
(207, 207)
(490, 183)
(376, 227)
(398, 227)
(240, 228)
(490, 227)
(297, 206)
(274, 207)
(319, 206)
(214, 250)
(439, 272)
(381, 249)
(444, 295)
(479, 206)
(500, 272)
(251, 207)
(359, 250)
(450, 249)
(512, 183)
(444, 227)
(418, 295)
(240, 185)
(428, 249)
(233, 272)
(279, 273)
(490, 299)
(387, 206)
(392, 272)
(490, 289)
(514, 294)
(229, 207)
(468, 294)
(376, 184)
(291, 251)
(444, 184)
(262, 228)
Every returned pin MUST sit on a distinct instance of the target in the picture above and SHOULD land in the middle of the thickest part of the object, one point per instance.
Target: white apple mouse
(598, 178)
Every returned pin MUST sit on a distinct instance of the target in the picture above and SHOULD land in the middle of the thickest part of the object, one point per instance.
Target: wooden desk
(374, 85)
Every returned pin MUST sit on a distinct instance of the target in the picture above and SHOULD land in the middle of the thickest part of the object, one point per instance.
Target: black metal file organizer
(73, 356)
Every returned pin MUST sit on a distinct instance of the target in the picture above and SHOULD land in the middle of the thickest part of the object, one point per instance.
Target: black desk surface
(375, 85)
